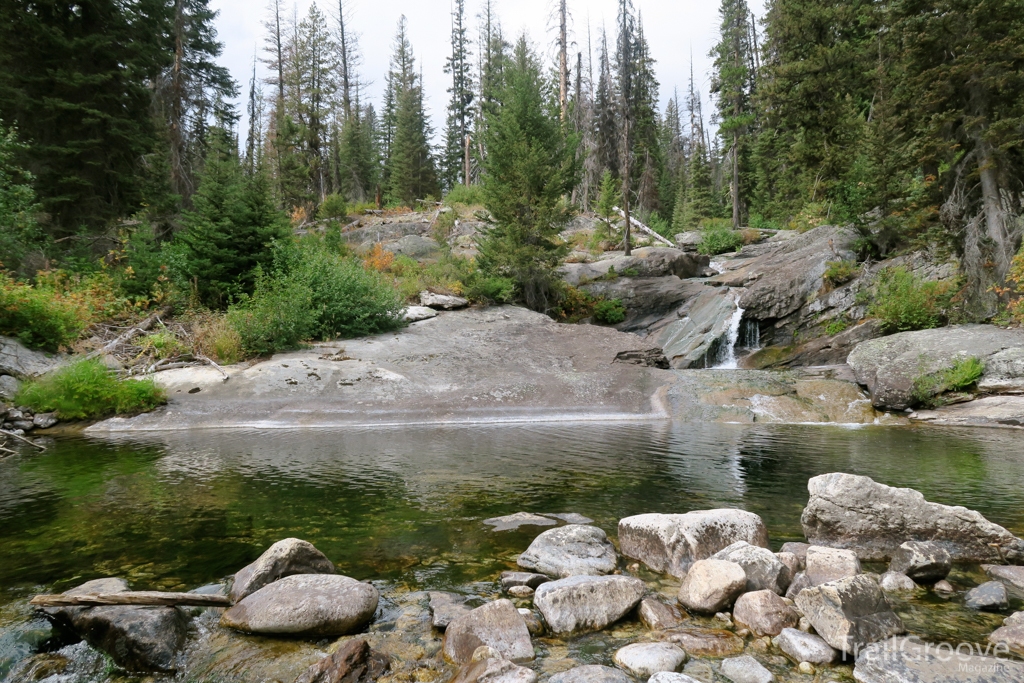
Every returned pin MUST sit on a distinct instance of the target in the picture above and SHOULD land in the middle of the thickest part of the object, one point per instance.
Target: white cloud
(675, 29)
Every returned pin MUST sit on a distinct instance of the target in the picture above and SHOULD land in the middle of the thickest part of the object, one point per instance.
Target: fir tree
(530, 167)
(455, 164)
(605, 114)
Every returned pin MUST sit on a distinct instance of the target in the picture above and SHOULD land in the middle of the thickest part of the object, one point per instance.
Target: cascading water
(727, 354)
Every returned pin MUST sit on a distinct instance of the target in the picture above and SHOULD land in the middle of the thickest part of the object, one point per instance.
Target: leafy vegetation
(840, 272)
(87, 390)
(904, 302)
(718, 238)
(609, 312)
(963, 374)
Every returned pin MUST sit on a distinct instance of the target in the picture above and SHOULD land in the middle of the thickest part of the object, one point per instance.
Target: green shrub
(840, 272)
(609, 312)
(37, 317)
(495, 289)
(333, 206)
(87, 390)
(963, 374)
(904, 302)
(836, 326)
(759, 222)
(472, 195)
(718, 238)
(278, 316)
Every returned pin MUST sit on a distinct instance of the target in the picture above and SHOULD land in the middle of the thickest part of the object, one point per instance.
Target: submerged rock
(446, 607)
(764, 570)
(285, 558)
(139, 639)
(590, 673)
(587, 603)
(510, 579)
(850, 511)
(496, 624)
(305, 605)
(705, 642)
(671, 543)
(712, 585)
(849, 613)
(746, 669)
(804, 647)
(907, 660)
(988, 597)
(764, 613)
(494, 670)
(643, 660)
(571, 550)
(922, 561)
(352, 662)
(518, 519)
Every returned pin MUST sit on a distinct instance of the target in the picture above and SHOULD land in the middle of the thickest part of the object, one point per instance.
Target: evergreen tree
(455, 164)
(608, 197)
(698, 199)
(605, 115)
(316, 68)
(19, 230)
(646, 144)
(530, 167)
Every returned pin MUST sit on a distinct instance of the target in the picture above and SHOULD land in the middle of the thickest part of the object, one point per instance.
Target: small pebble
(806, 668)
(804, 625)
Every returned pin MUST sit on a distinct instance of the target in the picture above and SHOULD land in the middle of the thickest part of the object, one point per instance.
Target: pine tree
(530, 167)
(19, 229)
(605, 115)
(698, 201)
(316, 67)
(455, 163)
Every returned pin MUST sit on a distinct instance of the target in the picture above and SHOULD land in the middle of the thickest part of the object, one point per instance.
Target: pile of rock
(21, 420)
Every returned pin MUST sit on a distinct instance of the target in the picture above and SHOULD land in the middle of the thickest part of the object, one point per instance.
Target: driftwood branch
(126, 337)
(132, 598)
(218, 368)
(644, 228)
(21, 438)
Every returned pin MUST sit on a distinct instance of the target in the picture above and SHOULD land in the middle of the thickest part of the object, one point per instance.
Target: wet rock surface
(706, 642)
(446, 607)
(764, 570)
(804, 647)
(906, 660)
(849, 613)
(988, 597)
(656, 615)
(305, 605)
(591, 673)
(587, 603)
(922, 561)
(764, 613)
(518, 519)
(494, 670)
(571, 550)
(851, 511)
(352, 662)
(284, 558)
(746, 669)
(671, 543)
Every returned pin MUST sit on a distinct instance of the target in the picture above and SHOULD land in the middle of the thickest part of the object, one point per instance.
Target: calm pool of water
(175, 511)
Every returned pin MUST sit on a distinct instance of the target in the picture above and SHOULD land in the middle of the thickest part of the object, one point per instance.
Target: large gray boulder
(587, 603)
(764, 570)
(644, 262)
(712, 585)
(496, 624)
(415, 247)
(671, 543)
(571, 550)
(1011, 576)
(695, 340)
(855, 512)
(908, 660)
(284, 558)
(764, 613)
(804, 647)
(888, 366)
(139, 639)
(922, 561)
(988, 597)
(849, 613)
(643, 660)
(591, 673)
(657, 616)
(23, 363)
(648, 300)
(305, 605)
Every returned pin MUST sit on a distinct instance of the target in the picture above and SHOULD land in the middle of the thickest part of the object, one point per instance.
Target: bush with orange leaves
(379, 259)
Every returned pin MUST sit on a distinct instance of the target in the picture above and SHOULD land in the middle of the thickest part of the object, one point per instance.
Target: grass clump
(88, 390)
(962, 375)
(840, 272)
(905, 302)
(718, 238)
(609, 312)
(836, 326)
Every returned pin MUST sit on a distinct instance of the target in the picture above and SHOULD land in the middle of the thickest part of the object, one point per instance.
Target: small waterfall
(727, 351)
(751, 335)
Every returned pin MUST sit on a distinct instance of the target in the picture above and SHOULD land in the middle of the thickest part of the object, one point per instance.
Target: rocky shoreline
(671, 598)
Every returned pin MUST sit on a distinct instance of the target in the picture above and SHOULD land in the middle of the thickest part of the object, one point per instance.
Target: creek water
(173, 511)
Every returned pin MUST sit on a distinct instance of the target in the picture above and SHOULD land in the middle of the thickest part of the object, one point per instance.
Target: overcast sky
(675, 29)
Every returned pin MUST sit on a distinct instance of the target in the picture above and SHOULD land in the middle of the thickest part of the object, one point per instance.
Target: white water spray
(727, 356)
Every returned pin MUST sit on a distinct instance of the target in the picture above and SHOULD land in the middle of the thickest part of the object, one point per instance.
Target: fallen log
(132, 598)
(643, 228)
(126, 337)
(21, 438)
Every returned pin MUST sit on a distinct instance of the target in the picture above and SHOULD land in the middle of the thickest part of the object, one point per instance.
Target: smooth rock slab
(850, 613)
(746, 669)
(671, 543)
(1011, 634)
(804, 647)
(764, 570)
(587, 603)
(922, 561)
(497, 624)
(906, 660)
(591, 673)
(571, 550)
(495, 671)
(656, 615)
(850, 511)
(518, 519)
(446, 608)
(353, 662)
(712, 585)
(830, 564)
(764, 613)
(285, 558)
(988, 597)
(305, 605)
(643, 660)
